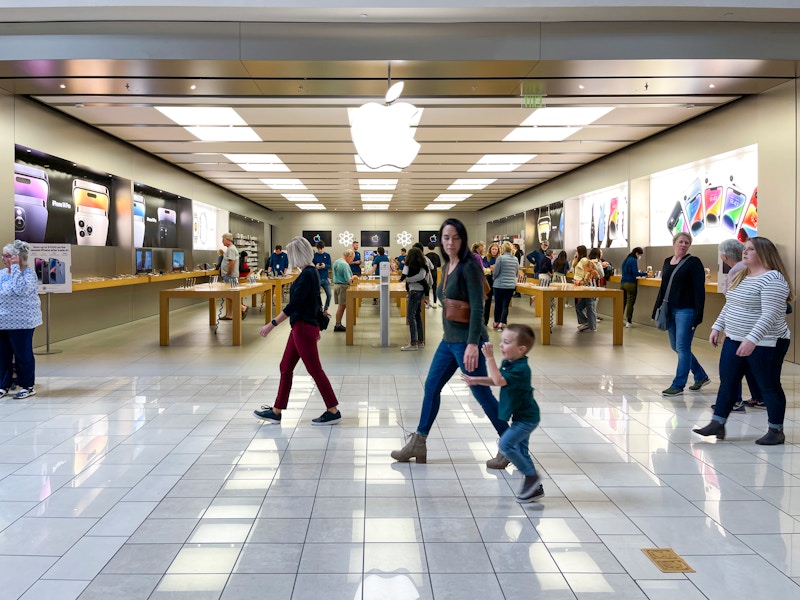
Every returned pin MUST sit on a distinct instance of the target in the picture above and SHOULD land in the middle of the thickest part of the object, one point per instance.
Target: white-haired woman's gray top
(20, 307)
(505, 272)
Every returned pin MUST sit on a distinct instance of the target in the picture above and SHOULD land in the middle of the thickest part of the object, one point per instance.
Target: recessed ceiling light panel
(471, 184)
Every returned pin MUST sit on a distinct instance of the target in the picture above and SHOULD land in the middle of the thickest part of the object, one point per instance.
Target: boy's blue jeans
(514, 446)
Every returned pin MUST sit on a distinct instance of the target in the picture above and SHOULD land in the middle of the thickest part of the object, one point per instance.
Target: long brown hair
(769, 257)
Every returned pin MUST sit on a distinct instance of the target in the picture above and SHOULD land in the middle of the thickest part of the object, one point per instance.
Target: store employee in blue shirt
(322, 260)
(355, 266)
(279, 261)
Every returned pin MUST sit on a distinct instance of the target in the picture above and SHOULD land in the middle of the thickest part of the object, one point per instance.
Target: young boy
(516, 400)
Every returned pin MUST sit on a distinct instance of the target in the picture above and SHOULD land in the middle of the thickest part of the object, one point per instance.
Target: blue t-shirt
(356, 269)
(279, 262)
(401, 260)
(377, 260)
(322, 258)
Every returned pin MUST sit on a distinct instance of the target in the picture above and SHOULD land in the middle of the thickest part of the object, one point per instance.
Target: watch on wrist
(274, 323)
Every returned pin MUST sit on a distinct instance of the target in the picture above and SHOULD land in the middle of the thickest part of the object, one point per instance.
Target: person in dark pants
(629, 284)
(756, 338)
(436, 261)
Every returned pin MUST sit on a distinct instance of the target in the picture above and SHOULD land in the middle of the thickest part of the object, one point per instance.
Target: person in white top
(756, 337)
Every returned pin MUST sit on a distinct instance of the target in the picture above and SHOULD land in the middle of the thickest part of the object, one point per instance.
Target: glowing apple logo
(318, 238)
(384, 133)
(375, 239)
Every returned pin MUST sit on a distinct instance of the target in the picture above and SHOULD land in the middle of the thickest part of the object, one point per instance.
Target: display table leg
(163, 320)
(350, 319)
(618, 320)
(212, 311)
(237, 321)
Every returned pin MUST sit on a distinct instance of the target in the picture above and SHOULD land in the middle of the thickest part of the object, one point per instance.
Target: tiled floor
(139, 472)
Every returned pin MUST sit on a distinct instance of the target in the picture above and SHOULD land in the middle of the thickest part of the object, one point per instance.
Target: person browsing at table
(436, 262)
(756, 337)
(278, 262)
(355, 264)
(460, 347)
(414, 274)
(20, 315)
(584, 307)
(505, 282)
(229, 271)
(492, 254)
(322, 261)
(342, 278)
(629, 282)
(686, 302)
(301, 312)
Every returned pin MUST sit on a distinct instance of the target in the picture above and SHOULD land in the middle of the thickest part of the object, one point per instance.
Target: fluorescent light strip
(566, 115)
(375, 206)
(201, 116)
(258, 162)
(541, 134)
(504, 163)
(471, 184)
(439, 206)
(284, 184)
(451, 197)
(310, 206)
(300, 197)
(224, 134)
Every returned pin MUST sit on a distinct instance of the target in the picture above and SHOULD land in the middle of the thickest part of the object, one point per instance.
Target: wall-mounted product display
(58, 202)
(314, 236)
(53, 266)
(711, 199)
(547, 223)
(373, 239)
(144, 260)
(162, 216)
(603, 217)
(204, 227)
(427, 236)
(249, 244)
(178, 261)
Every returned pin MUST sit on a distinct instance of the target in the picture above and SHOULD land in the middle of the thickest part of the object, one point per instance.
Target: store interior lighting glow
(310, 206)
(202, 116)
(375, 206)
(541, 134)
(504, 163)
(566, 116)
(377, 184)
(439, 206)
(451, 197)
(300, 197)
(224, 134)
(258, 162)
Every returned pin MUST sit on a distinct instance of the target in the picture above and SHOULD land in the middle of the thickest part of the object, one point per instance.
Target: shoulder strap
(672, 276)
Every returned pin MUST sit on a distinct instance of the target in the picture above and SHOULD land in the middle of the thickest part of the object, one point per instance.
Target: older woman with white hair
(20, 314)
(303, 311)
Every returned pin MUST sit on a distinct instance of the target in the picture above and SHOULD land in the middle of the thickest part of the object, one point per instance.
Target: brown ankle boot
(498, 462)
(415, 448)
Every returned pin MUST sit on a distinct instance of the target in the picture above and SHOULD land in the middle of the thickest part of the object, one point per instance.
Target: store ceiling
(298, 108)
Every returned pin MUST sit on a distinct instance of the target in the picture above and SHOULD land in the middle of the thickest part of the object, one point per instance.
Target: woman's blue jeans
(765, 364)
(681, 335)
(448, 359)
(514, 446)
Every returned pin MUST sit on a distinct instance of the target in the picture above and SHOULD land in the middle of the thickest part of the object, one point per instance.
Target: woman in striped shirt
(756, 337)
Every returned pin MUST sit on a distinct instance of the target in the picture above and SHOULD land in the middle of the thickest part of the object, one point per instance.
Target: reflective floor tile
(142, 559)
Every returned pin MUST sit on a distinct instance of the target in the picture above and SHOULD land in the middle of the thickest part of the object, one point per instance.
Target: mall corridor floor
(140, 472)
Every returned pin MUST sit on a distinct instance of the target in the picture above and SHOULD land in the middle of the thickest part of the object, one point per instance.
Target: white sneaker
(409, 348)
(629, 325)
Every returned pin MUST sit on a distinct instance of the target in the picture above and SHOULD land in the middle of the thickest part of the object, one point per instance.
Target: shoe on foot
(672, 391)
(339, 327)
(753, 403)
(3, 392)
(713, 428)
(583, 327)
(266, 414)
(537, 493)
(498, 462)
(699, 384)
(420, 345)
(328, 418)
(774, 437)
(409, 348)
(530, 485)
(24, 393)
(244, 313)
(630, 325)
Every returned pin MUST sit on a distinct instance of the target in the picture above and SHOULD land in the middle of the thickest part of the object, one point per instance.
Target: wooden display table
(211, 291)
(559, 291)
(355, 293)
(279, 284)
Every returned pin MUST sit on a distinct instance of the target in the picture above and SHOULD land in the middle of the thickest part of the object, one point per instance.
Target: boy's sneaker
(25, 393)
(531, 485)
(699, 384)
(537, 493)
(266, 414)
(672, 391)
(3, 392)
(328, 418)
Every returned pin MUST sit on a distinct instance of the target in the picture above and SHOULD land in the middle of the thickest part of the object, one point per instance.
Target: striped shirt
(755, 310)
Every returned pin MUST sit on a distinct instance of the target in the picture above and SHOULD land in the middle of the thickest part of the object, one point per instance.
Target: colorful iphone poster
(712, 200)
(603, 217)
(53, 266)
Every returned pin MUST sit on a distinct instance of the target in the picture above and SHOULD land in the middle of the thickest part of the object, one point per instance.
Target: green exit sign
(532, 101)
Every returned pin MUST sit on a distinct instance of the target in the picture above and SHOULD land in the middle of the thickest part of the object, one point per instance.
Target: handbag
(455, 310)
(662, 312)
(323, 319)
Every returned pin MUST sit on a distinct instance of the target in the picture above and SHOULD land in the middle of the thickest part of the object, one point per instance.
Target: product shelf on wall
(248, 243)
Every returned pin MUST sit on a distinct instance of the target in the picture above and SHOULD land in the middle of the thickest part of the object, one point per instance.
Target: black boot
(774, 437)
(713, 428)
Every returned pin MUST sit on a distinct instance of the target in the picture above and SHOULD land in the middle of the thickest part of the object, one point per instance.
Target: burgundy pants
(302, 343)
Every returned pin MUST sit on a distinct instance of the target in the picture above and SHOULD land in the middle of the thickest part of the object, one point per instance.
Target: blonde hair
(769, 257)
(681, 234)
(506, 247)
(300, 252)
